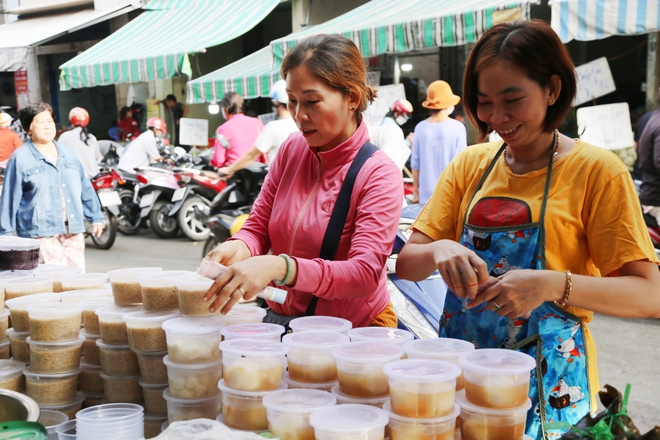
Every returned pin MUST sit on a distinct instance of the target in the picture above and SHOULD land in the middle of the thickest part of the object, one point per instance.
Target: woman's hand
(518, 292)
(461, 269)
(97, 229)
(229, 252)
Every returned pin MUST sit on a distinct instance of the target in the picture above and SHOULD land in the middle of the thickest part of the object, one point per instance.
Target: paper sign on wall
(594, 79)
(194, 132)
(606, 126)
(377, 110)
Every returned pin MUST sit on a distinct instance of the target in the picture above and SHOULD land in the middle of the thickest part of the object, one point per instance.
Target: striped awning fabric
(250, 77)
(396, 26)
(587, 20)
(156, 44)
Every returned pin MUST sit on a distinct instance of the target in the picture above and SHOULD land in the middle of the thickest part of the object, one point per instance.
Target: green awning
(250, 77)
(156, 44)
(396, 26)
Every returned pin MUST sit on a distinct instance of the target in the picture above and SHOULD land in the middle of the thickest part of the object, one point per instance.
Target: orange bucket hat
(439, 96)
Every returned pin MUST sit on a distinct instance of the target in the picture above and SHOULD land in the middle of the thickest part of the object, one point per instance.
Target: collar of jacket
(38, 156)
(344, 152)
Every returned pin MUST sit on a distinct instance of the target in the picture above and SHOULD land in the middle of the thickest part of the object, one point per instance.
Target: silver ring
(497, 306)
(240, 289)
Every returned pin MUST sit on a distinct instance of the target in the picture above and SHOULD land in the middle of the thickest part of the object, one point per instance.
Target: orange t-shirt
(9, 142)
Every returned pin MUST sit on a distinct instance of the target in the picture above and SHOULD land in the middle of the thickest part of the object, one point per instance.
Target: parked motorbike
(157, 188)
(105, 185)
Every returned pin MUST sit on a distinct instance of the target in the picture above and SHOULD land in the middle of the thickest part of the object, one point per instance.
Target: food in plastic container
(4, 325)
(55, 357)
(444, 349)
(189, 409)
(422, 388)
(153, 398)
(11, 375)
(90, 378)
(28, 286)
(69, 409)
(83, 281)
(360, 367)
(52, 321)
(122, 389)
(125, 286)
(244, 409)
(20, 320)
(245, 314)
(51, 389)
(6, 277)
(112, 327)
(80, 296)
(92, 400)
(90, 319)
(193, 340)
(159, 291)
(263, 331)
(294, 384)
(252, 364)
(20, 350)
(346, 399)
(320, 324)
(193, 381)
(152, 367)
(411, 428)
(310, 355)
(349, 422)
(17, 253)
(117, 360)
(191, 290)
(145, 331)
(153, 425)
(5, 348)
(55, 272)
(496, 378)
(89, 348)
(479, 423)
(288, 411)
(381, 334)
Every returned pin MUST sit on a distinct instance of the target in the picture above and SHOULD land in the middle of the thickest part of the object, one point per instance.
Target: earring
(551, 101)
(352, 108)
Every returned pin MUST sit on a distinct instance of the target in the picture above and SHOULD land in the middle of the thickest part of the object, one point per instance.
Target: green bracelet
(289, 270)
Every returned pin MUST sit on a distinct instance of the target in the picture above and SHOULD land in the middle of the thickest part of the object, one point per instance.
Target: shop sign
(21, 87)
(194, 132)
(606, 126)
(594, 80)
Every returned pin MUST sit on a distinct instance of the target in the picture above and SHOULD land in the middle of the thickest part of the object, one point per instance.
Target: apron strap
(483, 179)
(546, 192)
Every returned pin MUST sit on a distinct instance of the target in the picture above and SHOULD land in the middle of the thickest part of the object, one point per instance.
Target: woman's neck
(440, 116)
(526, 158)
(47, 148)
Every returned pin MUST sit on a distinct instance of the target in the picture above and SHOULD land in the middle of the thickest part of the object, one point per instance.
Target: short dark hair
(27, 114)
(232, 102)
(532, 46)
(170, 97)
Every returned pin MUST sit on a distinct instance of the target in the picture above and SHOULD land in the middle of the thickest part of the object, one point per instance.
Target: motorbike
(654, 231)
(105, 185)
(157, 187)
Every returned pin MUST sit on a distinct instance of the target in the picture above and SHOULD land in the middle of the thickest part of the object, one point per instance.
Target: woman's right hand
(229, 252)
(464, 272)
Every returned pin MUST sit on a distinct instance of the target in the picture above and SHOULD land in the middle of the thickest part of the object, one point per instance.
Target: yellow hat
(439, 96)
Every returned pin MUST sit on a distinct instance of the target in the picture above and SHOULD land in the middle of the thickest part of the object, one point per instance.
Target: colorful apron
(500, 230)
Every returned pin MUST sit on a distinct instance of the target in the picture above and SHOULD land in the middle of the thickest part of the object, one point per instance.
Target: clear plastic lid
(42, 376)
(437, 348)
(466, 405)
(86, 335)
(13, 335)
(308, 385)
(116, 313)
(144, 319)
(103, 346)
(257, 330)
(84, 278)
(188, 402)
(497, 361)
(13, 243)
(193, 326)
(368, 351)
(387, 406)
(55, 345)
(345, 398)
(9, 276)
(119, 411)
(80, 397)
(10, 369)
(91, 304)
(87, 366)
(422, 370)
(311, 340)
(131, 274)
(217, 363)
(86, 295)
(242, 313)
(4, 314)
(247, 394)
(29, 283)
(348, 418)
(54, 310)
(22, 302)
(320, 323)
(253, 348)
(193, 282)
(152, 386)
(129, 377)
(388, 334)
(298, 401)
(165, 278)
(56, 270)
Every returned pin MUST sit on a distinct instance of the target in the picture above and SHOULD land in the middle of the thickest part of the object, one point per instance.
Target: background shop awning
(587, 20)
(17, 36)
(396, 26)
(250, 77)
(156, 44)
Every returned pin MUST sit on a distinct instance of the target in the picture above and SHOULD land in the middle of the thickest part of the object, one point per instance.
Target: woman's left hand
(97, 229)
(518, 292)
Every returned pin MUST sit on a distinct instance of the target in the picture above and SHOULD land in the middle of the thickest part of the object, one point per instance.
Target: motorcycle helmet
(158, 124)
(402, 107)
(5, 120)
(278, 92)
(79, 117)
(237, 224)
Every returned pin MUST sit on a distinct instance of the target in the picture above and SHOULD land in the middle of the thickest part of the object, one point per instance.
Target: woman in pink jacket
(326, 86)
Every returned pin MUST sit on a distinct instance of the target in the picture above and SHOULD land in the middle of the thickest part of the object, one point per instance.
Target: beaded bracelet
(569, 288)
(289, 271)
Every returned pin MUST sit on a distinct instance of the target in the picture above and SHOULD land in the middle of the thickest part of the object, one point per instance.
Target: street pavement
(628, 349)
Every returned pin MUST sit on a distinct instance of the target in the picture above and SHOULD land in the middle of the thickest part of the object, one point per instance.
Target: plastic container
(18, 253)
(90, 319)
(245, 314)
(497, 378)
(69, 409)
(244, 409)
(152, 367)
(348, 422)
(52, 321)
(191, 290)
(79, 296)
(263, 331)
(193, 340)
(444, 349)
(66, 430)
(159, 291)
(320, 324)
(55, 357)
(153, 398)
(93, 400)
(117, 360)
(89, 348)
(288, 411)
(20, 319)
(409, 428)
(51, 389)
(381, 334)
(344, 399)
(145, 330)
(321, 386)
(252, 364)
(189, 409)
(20, 350)
(8, 276)
(125, 286)
(423, 388)
(112, 327)
(193, 381)
(111, 421)
(28, 286)
(90, 378)
(55, 272)
(51, 419)
(5, 350)
(4, 324)
(479, 423)
(153, 425)
(122, 389)
(11, 375)
(310, 355)
(360, 367)
(83, 281)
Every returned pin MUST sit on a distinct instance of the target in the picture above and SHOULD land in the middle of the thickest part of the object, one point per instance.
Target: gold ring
(240, 289)
(497, 306)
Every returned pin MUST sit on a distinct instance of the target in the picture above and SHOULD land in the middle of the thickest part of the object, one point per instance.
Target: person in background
(536, 232)
(237, 135)
(648, 150)
(326, 85)
(46, 194)
(179, 111)
(143, 151)
(398, 115)
(82, 142)
(438, 139)
(275, 132)
(9, 141)
(127, 125)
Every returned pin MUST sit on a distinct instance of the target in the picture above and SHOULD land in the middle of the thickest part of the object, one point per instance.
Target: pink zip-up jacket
(292, 213)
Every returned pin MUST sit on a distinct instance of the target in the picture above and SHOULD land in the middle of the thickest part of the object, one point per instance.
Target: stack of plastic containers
(444, 349)
(82, 281)
(495, 401)
(288, 411)
(349, 421)
(11, 375)
(111, 422)
(20, 320)
(28, 286)
(55, 272)
(4, 341)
